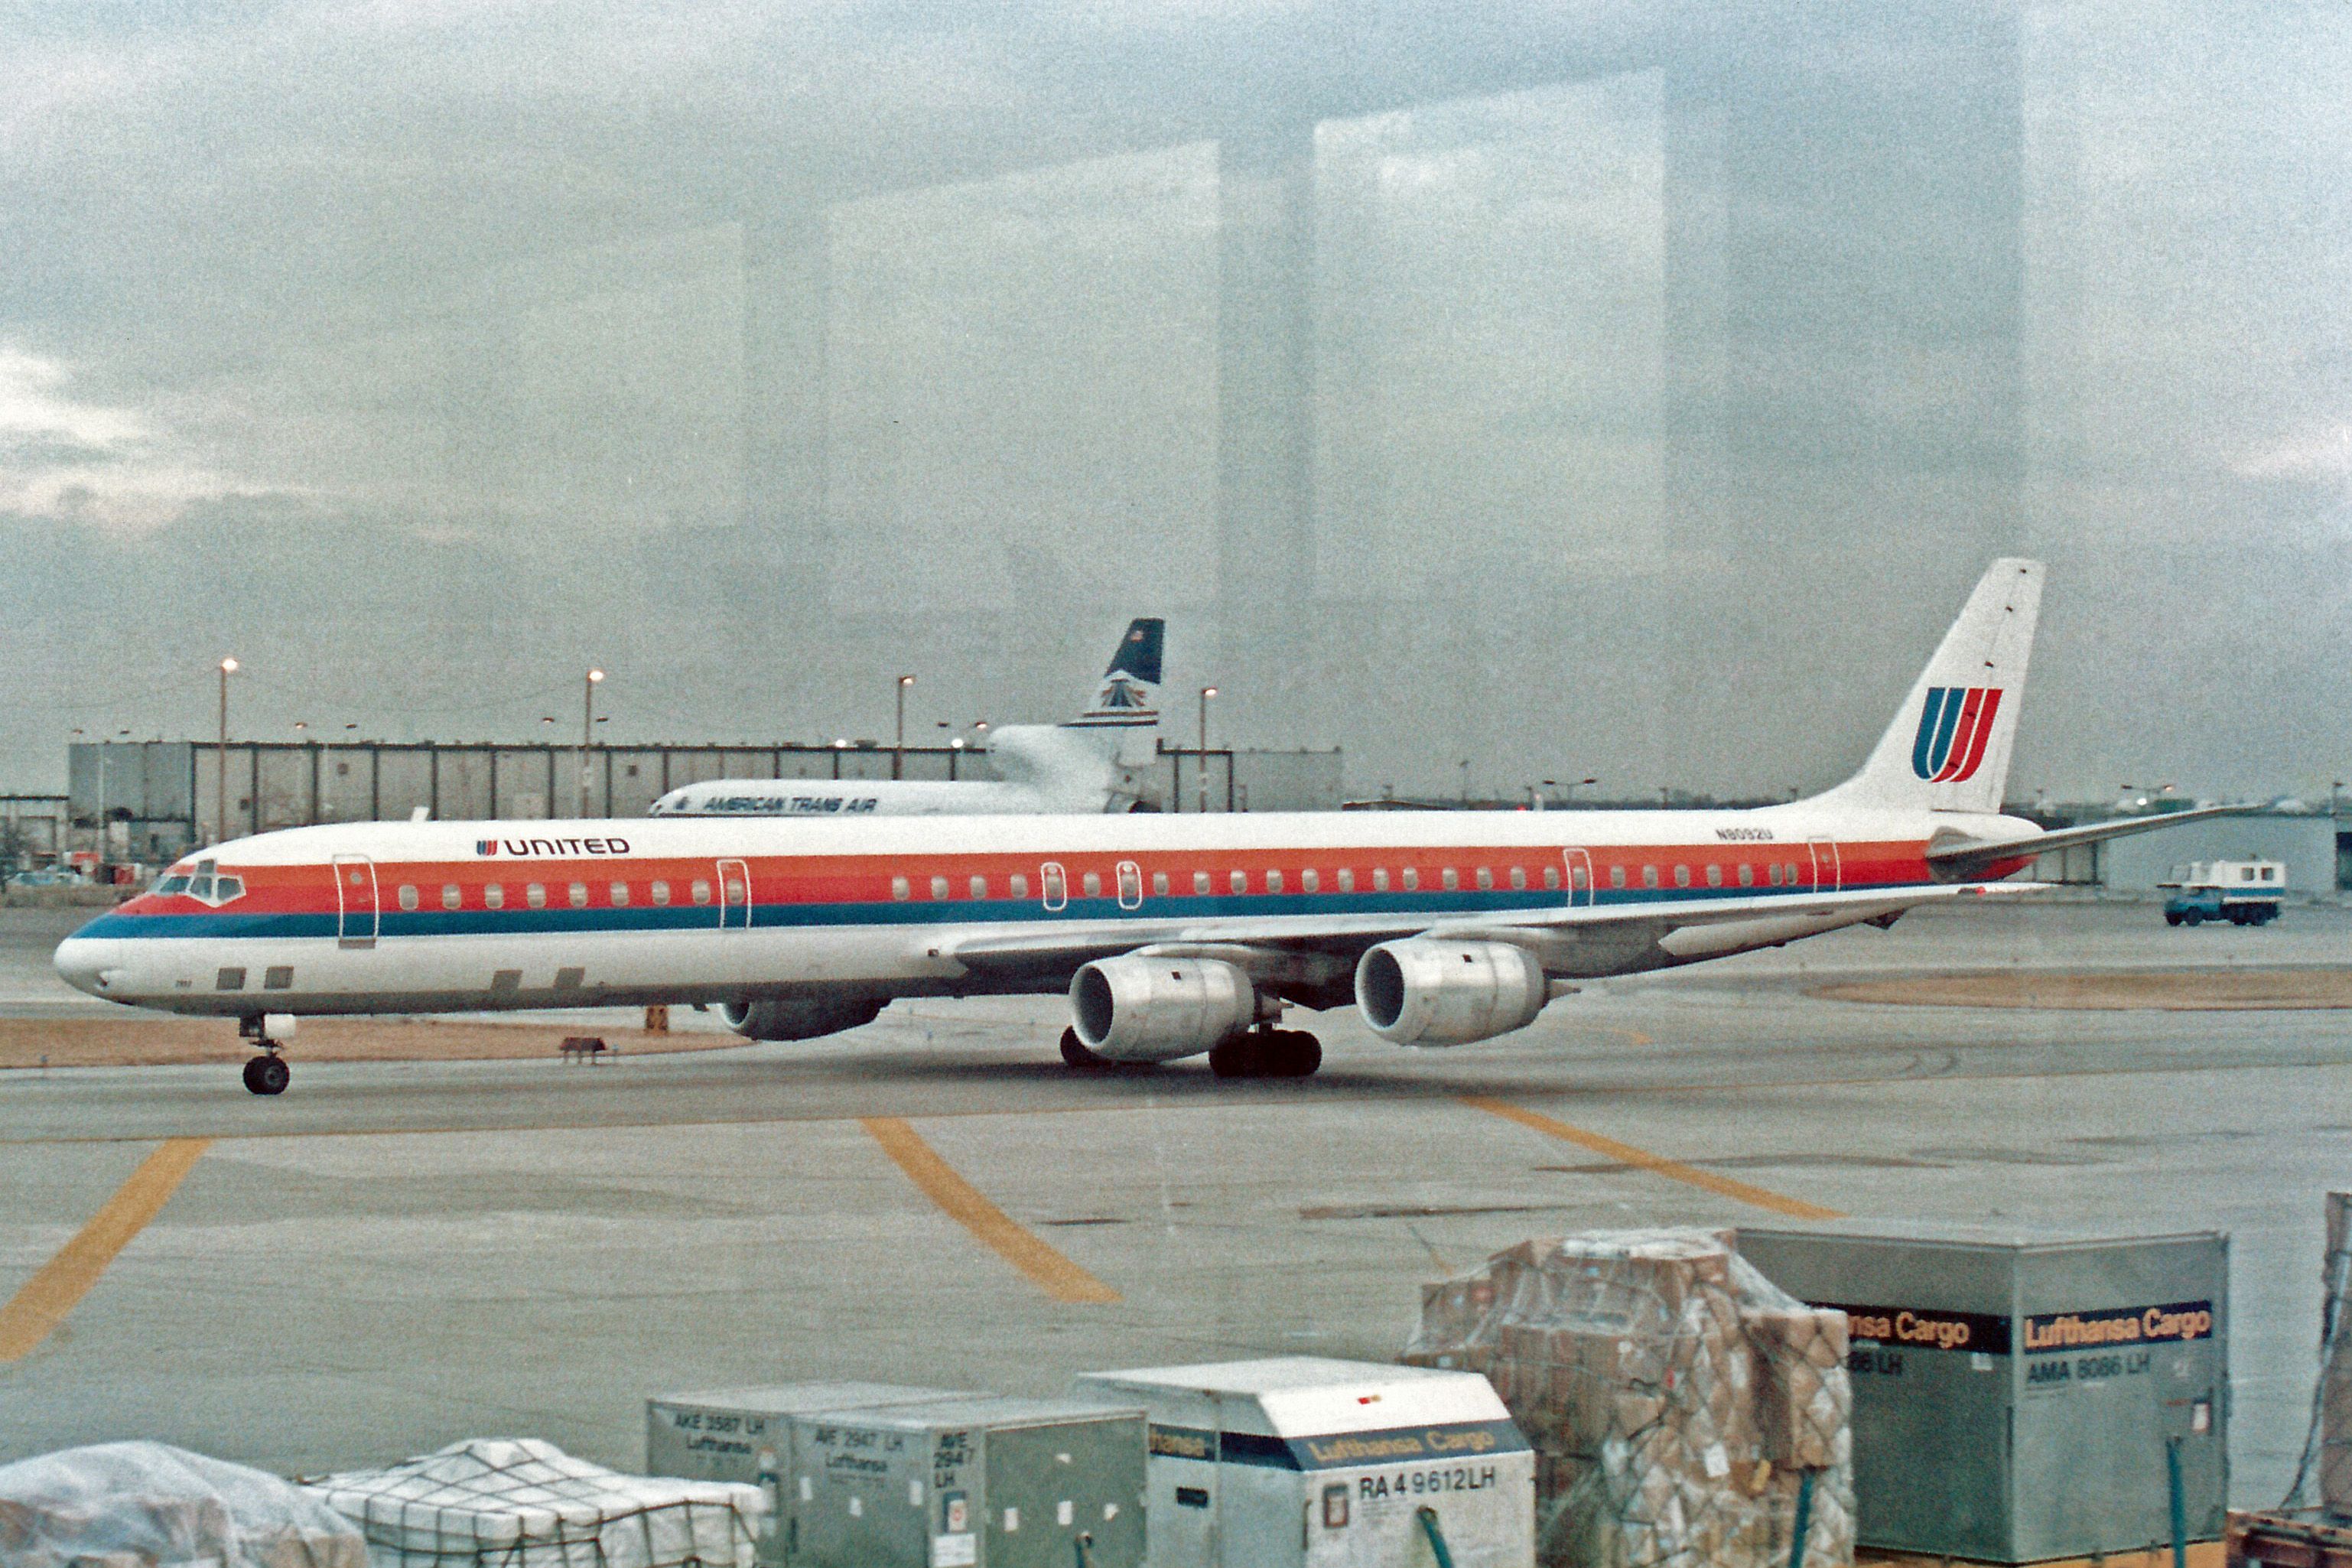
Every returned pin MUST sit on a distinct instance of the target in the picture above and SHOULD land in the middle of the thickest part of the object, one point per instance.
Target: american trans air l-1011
(1174, 936)
(1092, 763)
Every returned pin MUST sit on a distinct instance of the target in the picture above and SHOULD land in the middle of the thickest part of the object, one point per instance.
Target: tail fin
(1130, 685)
(1947, 749)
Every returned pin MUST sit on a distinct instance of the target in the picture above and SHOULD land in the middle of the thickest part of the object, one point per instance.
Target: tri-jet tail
(1948, 747)
(1129, 697)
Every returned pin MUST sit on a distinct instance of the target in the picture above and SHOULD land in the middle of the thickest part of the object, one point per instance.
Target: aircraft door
(1057, 886)
(1131, 885)
(354, 901)
(1827, 871)
(734, 896)
(1579, 878)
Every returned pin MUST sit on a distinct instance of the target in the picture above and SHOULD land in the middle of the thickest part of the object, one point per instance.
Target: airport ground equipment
(971, 1481)
(496, 1502)
(744, 1435)
(2244, 892)
(1682, 1408)
(1303, 1462)
(2015, 1391)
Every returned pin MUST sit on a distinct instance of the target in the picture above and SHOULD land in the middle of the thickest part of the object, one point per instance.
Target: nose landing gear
(267, 1073)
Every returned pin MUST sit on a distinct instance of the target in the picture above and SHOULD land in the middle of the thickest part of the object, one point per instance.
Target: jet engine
(1426, 991)
(1135, 1008)
(799, 1018)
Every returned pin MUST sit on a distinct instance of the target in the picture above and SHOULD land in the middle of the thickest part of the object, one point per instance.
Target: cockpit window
(177, 882)
(204, 884)
(227, 888)
(202, 887)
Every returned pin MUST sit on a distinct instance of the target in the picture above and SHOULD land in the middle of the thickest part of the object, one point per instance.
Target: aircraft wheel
(1293, 1053)
(1074, 1052)
(1238, 1058)
(266, 1074)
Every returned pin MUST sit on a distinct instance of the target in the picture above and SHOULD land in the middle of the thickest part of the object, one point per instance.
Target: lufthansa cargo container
(1300, 1462)
(2016, 1392)
(975, 1481)
(745, 1434)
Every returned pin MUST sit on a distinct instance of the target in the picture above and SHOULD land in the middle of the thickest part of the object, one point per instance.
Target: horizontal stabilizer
(1961, 858)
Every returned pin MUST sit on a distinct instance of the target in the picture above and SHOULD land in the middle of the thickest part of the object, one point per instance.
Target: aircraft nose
(86, 963)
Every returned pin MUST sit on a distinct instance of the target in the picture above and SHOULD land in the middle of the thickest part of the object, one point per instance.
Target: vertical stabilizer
(1129, 699)
(1947, 749)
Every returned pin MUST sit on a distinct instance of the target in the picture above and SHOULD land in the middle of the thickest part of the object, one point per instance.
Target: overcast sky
(420, 354)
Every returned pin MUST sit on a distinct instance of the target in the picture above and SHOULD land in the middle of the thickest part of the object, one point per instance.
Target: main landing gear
(267, 1073)
(1268, 1053)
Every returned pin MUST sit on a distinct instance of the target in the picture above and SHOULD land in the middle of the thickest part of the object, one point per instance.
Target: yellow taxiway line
(968, 1206)
(34, 1311)
(1657, 1164)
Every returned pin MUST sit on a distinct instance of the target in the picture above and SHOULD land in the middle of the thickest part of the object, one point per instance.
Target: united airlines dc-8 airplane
(1173, 935)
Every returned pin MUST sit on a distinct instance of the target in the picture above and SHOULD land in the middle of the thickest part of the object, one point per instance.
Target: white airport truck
(2244, 892)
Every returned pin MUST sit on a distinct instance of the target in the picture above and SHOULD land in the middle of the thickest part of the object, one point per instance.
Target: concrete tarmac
(395, 1256)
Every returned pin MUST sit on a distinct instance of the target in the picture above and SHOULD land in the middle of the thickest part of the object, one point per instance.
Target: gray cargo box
(975, 1481)
(744, 1435)
(2013, 1390)
(1301, 1460)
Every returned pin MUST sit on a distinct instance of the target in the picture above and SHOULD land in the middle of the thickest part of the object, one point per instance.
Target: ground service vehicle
(2244, 892)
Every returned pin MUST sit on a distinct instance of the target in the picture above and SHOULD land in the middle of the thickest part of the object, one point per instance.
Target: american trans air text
(1171, 934)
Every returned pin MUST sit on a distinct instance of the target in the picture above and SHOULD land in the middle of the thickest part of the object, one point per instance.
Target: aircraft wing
(1961, 858)
(1568, 939)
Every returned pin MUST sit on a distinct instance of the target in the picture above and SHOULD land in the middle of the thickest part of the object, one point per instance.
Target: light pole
(220, 758)
(587, 730)
(1206, 692)
(899, 746)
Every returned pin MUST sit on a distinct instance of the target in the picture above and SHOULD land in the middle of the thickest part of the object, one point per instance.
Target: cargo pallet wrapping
(521, 1503)
(1303, 1462)
(147, 1505)
(746, 1434)
(1683, 1409)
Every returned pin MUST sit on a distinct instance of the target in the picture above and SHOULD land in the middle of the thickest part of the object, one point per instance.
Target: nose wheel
(266, 1074)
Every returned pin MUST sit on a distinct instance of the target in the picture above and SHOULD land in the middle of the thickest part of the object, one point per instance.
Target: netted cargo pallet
(1683, 1410)
(509, 1503)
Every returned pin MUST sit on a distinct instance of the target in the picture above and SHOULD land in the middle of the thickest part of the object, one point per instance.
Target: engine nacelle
(799, 1018)
(1426, 991)
(1138, 1009)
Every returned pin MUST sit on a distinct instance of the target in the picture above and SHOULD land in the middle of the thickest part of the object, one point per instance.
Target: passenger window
(1057, 887)
(1380, 878)
(1616, 877)
(1773, 873)
(407, 896)
(939, 889)
(1682, 875)
(1789, 873)
(1486, 879)
(1714, 876)
(1346, 881)
(659, 892)
(1200, 881)
(1240, 882)
(1274, 881)
(1649, 876)
(735, 894)
(1452, 879)
(1092, 883)
(899, 890)
(1519, 876)
(620, 895)
(1159, 884)
(578, 894)
(703, 891)
(451, 896)
(494, 897)
(980, 887)
(1746, 875)
(535, 895)
(1411, 878)
(2270, 873)
(1308, 881)
(1581, 878)
(1020, 885)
